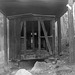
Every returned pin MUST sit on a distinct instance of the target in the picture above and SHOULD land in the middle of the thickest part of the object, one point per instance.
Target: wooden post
(71, 33)
(8, 39)
(17, 34)
(33, 34)
(15, 39)
(59, 35)
(46, 37)
(5, 41)
(53, 36)
(24, 37)
(39, 39)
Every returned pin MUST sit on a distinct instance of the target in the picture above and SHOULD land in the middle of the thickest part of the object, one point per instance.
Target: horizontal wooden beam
(31, 15)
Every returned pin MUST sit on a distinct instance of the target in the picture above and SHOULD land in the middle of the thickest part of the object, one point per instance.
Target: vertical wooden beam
(8, 39)
(24, 37)
(20, 48)
(71, 33)
(33, 34)
(46, 37)
(39, 39)
(15, 38)
(5, 41)
(59, 35)
(18, 38)
(53, 36)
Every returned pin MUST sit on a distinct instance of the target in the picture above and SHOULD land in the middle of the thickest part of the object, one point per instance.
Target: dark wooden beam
(36, 16)
(46, 37)
(71, 33)
(33, 35)
(24, 37)
(39, 32)
(59, 35)
(53, 36)
(15, 38)
(18, 37)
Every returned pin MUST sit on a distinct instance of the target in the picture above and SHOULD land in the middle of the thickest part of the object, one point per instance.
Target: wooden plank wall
(17, 37)
(11, 39)
(14, 38)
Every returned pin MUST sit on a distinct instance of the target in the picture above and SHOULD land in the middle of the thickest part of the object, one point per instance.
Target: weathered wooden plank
(8, 38)
(53, 36)
(15, 40)
(31, 15)
(5, 41)
(24, 37)
(39, 32)
(11, 39)
(18, 37)
(59, 35)
(46, 37)
(71, 33)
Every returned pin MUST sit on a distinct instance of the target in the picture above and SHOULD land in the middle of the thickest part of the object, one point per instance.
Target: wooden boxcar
(31, 36)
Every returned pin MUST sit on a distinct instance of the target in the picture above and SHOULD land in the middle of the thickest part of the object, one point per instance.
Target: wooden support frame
(46, 37)
(39, 32)
(59, 34)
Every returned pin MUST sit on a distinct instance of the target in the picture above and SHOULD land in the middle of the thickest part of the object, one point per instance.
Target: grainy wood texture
(11, 39)
(59, 35)
(15, 40)
(32, 16)
(46, 37)
(8, 38)
(71, 33)
(53, 36)
(5, 41)
(24, 37)
(39, 39)
(18, 36)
